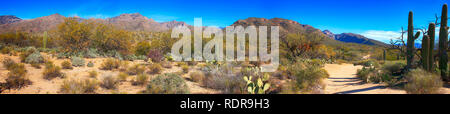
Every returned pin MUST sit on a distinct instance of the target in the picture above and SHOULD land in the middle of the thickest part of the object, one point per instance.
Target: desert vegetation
(84, 56)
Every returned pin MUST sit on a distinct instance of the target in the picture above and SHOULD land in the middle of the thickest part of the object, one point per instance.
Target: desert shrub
(110, 64)
(141, 57)
(368, 63)
(26, 52)
(115, 54)
(317, 62)
(79, 86)
(122, 76)
(66, 65)
(167, 84)
(222, 77)
(192, 63)
(166, 64)
(36, 65)
(131, 57)
(180, 63)
(168, 57)
(51, 71)
(389, 80)
(140, 79)
(143, 48)
(393, 67)
(6, 50)
(422, 82)
(93, 74)
(79, 38)
(16, 77)
(365, 73)
(62, 55)
(8, 63)
(109, 82)
(90, 64)
(155, 55)
(77, 61)
(197, 76)
(154, 68)
(108, 37)
(136, 69)
(185, 68)
(91, 53)
(35, 57)
(290, 87)
(340, 61)
(307, 78)
(123, 67)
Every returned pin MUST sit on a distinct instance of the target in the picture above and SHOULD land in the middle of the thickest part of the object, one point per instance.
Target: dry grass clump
(221, 77)
(123, 67)
(185, 68)
(90, 64)
(79, 86)
(8, 63)
(141, 79)
(36, 65)
(166, 64)
(93, 74)
(122, 76)
(168, 83)
(109, 82)
(66, 65)
(51, 71)
(180, 63)
(197, 76)
(110, 64)
(16, 77)
(136, 69)
(155, 68)
(423, 82)
(192, 63)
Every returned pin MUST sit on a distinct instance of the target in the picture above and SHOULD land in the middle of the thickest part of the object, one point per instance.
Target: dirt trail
(343, 80)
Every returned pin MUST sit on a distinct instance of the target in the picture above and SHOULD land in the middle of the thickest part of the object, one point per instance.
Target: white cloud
(384, 36)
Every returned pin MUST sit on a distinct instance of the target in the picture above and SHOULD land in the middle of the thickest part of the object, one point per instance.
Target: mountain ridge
(131, 21)
(138, 22)
(353, 38)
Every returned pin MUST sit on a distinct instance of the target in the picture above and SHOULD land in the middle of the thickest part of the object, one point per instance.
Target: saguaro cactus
(44, 40)
(425, 52)
(384, 54)
(443, 35)
(431, 36)
(410, 42)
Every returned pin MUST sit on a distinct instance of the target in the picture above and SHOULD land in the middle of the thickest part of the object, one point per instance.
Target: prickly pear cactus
(260, 86)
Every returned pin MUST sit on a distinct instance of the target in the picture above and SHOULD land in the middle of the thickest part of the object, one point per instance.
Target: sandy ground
(42, 86)
(343, 80)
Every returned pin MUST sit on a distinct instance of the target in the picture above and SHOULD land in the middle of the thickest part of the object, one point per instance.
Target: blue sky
(378, 19)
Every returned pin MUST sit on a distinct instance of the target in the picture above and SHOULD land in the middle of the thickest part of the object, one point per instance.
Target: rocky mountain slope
(133, 22)
(5, 19)
(353, 38)
(33, 25)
